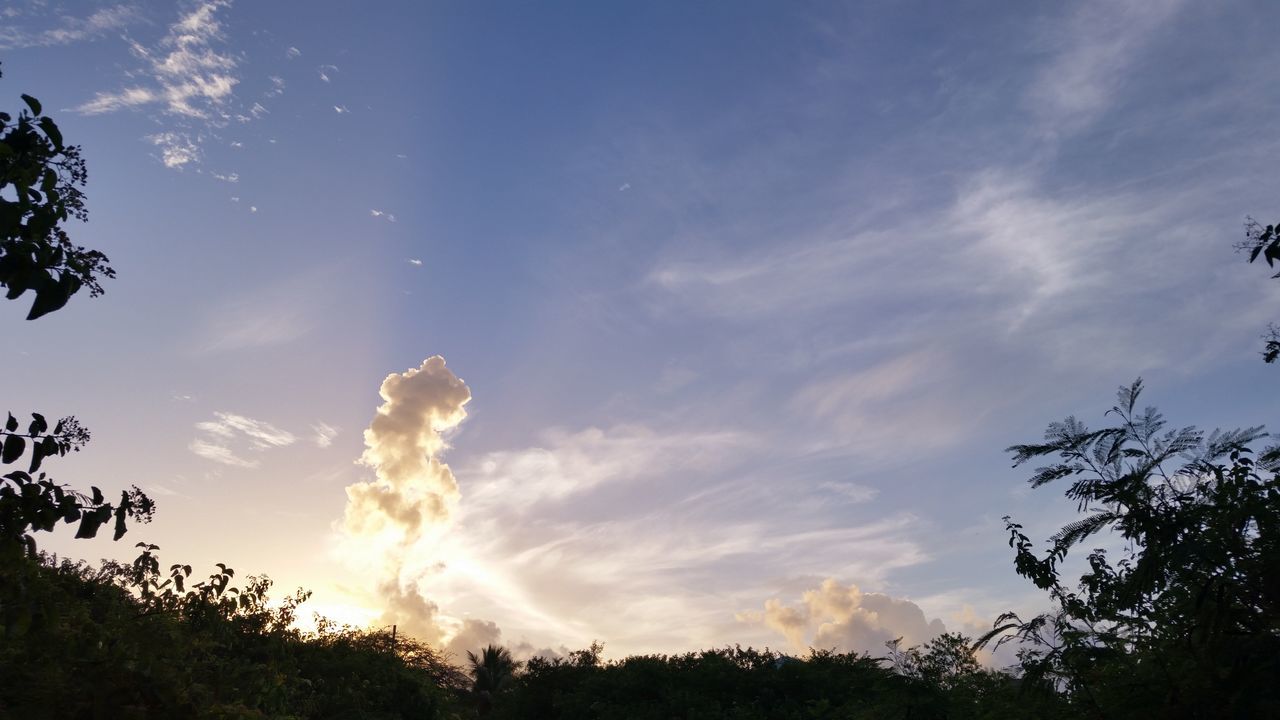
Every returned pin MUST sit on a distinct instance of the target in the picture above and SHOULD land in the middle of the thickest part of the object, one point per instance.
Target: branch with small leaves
(1264, 242)
(30, 501)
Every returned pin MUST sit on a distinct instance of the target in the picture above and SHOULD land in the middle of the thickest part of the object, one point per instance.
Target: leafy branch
(30, 501)
(40, 189)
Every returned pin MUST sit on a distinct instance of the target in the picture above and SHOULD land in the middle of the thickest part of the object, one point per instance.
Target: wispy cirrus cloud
(69, 29)
(657, 527)
(572, 463)
(1091, 53)
(324, 433)
(229, 438)
(188, 78)
(189, 73)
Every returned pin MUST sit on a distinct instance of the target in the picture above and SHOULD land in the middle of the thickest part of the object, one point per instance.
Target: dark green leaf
(51, 131)
(32, 103)
(37, 455)
(50, 296)
(13, 447)
(89, 524)
(120, 526)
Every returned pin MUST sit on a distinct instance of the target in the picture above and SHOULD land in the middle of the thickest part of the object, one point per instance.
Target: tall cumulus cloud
(412, 489)
(413, 493)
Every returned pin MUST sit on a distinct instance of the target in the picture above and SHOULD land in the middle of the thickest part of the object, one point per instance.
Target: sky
(667, 325)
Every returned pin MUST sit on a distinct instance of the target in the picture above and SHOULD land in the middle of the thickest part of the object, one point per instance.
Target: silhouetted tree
(492, 672)
(30, 501)
(43, 176)
(1264, 242)
(1187, 622)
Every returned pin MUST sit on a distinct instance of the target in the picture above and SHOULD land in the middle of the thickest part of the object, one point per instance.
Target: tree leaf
(51, 131)
(32, 103)
(89, 524)
(50, 296)
(13, 447)
(37, 455)
(120, 526)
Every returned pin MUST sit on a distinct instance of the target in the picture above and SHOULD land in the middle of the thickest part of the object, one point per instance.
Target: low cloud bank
(844, 618)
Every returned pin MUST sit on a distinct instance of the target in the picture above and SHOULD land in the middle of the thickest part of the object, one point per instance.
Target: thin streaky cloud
(190, 75)
(70, 29)
(324, 433)
(229, 436)
(1094, 47)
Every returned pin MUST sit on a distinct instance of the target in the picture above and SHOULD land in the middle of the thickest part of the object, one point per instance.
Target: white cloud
(324, 71)
(389, 217)
(571, 463)
(844, 618)
(219, 453)
(411, 486)
(852, 492)
(229, 177)
(324, 434)
(218, 439)
(70, 29)
(827, 268)
(127, 98)
(658, 529)
(176, 149)
(415, 262)
(191, 78)
(277, 313)
(292, 53)
(1092, 50)
(340, 109)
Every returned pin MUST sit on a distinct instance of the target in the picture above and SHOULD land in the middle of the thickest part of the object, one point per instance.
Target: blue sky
(748, 296)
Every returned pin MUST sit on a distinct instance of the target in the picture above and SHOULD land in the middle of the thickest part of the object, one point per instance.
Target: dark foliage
(40, 181)
(121, 642)
(1264, 242)
(30, 501)
(1187, 622)
(748, 684)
